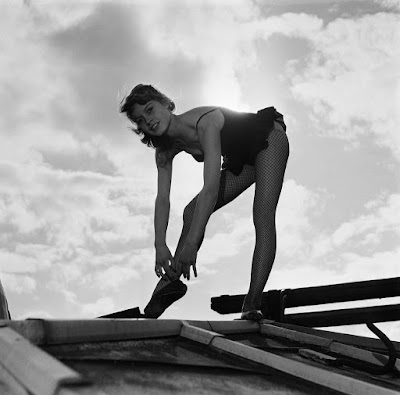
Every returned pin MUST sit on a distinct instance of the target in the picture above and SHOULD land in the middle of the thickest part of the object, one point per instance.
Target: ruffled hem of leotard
(243, 146)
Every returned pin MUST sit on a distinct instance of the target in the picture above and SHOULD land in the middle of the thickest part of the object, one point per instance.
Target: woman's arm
(209, 135)
(161, 213)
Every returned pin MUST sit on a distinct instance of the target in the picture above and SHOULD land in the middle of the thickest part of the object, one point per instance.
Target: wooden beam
(326, 378)
(228, 327)
(9, 384)
(345, 316)
(33, 330)
(77, 331)
(35, 370)
(199, 335)
(43, 332)
(372, 344)
(327, 344)
(347, 292)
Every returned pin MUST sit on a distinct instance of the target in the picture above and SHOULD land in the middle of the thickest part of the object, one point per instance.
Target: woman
(255, 148)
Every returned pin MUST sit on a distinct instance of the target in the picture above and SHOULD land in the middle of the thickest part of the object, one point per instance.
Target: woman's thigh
(270, 166)
(231, 186)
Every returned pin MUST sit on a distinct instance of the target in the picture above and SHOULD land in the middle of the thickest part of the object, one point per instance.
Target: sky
(77, 187)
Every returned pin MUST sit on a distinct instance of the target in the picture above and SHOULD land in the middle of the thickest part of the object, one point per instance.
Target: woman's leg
(231, 186)
(270, 168)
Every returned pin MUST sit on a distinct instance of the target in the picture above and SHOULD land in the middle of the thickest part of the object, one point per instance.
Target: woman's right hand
(163, 259)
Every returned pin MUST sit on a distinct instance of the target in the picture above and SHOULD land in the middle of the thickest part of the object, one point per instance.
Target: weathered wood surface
(40, 331)
(327, 378)
(33, 368)
(345, 316)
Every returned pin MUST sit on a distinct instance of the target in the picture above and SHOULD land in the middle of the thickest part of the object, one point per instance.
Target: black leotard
(244, 135)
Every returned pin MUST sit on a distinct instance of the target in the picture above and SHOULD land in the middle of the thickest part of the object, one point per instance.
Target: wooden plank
(317, 356)
(9, 385)
(336, 293)
(357, 341)
(33, 330)
(228, 327)
(364, 355)
(42, 332)
(229, 304)
(361, 290)
(328, 344)
(303, 338)
(316, 375)
(199, 335)
(345, 316)
(34, 369)
(76, 331)
(72, 391)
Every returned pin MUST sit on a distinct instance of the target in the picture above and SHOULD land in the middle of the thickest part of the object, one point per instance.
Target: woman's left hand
(188, 258)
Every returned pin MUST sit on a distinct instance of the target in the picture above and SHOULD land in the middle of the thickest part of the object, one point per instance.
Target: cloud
(371, 226)
(34, 314)
(234, 231)
(288, 24)
(100, 307)
(361, 248)
(379, 228)
(27, 258)
(221, 49)
(66, 223)
(71, 198)
(350, 79)
(294, 219)
(18, 283)
(59, 14)
(389, 4)
(26, 95)
(114, 276)
(238, 234)
(354, 267)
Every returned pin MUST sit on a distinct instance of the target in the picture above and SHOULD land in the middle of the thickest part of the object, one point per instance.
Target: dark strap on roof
(368, 367)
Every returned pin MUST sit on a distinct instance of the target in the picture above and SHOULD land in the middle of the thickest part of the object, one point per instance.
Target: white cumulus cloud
(351, 78)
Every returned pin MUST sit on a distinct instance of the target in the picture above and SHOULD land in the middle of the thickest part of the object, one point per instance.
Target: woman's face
(152, 118)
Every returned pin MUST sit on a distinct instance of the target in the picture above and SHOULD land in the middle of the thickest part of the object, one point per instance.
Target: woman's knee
(264, 220)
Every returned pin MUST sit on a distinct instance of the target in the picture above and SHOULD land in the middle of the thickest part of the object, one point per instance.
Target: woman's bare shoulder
(191, 117)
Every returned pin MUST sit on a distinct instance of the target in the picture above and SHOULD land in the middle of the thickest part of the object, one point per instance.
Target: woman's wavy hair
(142, 94)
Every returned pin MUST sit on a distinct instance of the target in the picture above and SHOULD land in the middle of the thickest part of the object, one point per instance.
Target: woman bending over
(255, 149)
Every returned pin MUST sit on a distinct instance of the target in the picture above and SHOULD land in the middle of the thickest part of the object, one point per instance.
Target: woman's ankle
(251, 303)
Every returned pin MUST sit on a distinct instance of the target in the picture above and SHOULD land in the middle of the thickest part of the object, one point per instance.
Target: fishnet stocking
(231, 186)
(267, 172)
(270, 168)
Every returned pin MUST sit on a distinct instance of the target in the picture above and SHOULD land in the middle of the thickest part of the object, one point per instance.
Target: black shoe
(162, 299)
(252, 315)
